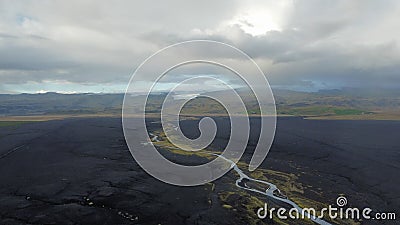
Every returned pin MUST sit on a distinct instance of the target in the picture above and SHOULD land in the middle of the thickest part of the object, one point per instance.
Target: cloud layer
(310, 44)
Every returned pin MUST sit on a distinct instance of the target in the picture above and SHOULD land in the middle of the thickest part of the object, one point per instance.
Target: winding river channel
(272, 188)
(269, 192)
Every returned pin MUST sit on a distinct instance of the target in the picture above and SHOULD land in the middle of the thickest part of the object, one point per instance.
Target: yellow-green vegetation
(289, 105)
(166, 144)
(203, 105)
(320, 111)
(294, 190)
(210, 187)
(13, 123)
(287, 183)
(227, 206)
(41, 118)
(329, 104)
(309, 105)
(368, 116)
(247, 204)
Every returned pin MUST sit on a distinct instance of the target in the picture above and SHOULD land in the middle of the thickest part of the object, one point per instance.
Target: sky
(94, 46)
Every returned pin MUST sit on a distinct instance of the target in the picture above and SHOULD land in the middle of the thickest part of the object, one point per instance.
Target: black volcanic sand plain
(80, 171)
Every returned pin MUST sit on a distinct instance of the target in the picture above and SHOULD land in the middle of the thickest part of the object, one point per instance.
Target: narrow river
(269, 192)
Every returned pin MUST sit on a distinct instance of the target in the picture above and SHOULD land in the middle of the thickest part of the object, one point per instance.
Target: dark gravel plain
(80, 171)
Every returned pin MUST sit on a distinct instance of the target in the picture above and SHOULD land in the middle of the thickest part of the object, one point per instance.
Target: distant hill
(54, 103)
(337, 102)
(343, 102)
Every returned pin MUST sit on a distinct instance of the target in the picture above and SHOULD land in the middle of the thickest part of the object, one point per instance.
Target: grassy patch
(13, 123)
(348, 112)
(319, 111)
(246, 203)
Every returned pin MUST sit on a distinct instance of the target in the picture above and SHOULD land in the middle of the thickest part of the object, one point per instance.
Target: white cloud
(100, 42)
